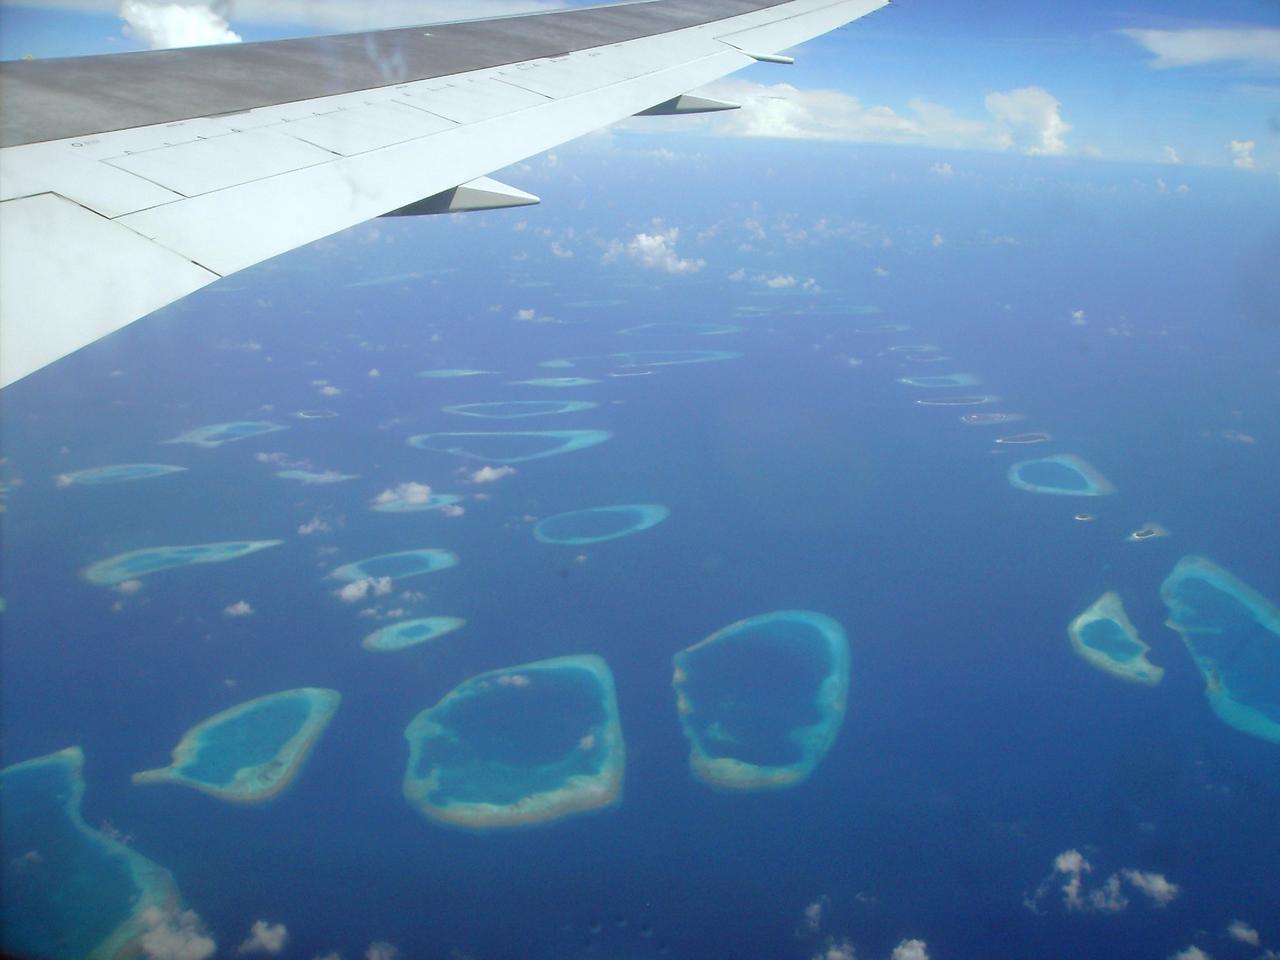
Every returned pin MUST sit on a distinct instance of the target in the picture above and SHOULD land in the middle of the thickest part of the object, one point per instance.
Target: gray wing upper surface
(130, 180)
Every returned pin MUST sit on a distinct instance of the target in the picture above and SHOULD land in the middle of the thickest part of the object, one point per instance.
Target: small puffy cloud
(1153, 885)
(777, 281)
(910, 950)
(487, 474)
(164, 25)
(416, 493)
(1027, 118)
(526, 313)
(942, 170)
(315, 525)
(128, 587)
(357, 590)
(1242, 153)
(738, 275)
(240, 608)
(1108, 897)
(174, 935)
(880, 271)
(836, 950)
(655, 251)
(1240, 931)
(813, 915)
(268, 938)
(1191, 953)
(1077, 318)
(329, 390)
(453, 510)
(1195, 47)
(560, 250)
(1170, 155)
(375, 373)
(938, 240)
(380, 950)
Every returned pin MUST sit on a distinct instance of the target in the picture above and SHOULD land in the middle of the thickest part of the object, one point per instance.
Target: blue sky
(1147, 82)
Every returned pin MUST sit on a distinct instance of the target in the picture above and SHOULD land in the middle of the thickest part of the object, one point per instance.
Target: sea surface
(1130, 312)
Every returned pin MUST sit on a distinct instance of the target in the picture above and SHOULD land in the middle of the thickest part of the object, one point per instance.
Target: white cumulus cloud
(164, 25)
(1171, 155)
(1028, 119)
(415, 493)
(1242, 153)
(1191, 953)
(1198, 46)
(654, 251)
(488, 474)
(836, 950)
(910, 950)
(1154, 885)
(380, 950)
(175, 935)
(268, 938)
(1240, 931)
(240, 608)
(942, 170)
(357, 590)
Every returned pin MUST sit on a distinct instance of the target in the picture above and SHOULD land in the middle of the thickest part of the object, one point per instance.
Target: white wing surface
(128, 181)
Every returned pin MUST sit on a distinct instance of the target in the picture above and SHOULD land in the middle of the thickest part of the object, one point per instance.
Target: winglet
(483, 193)
(769, 57)
(688, 103)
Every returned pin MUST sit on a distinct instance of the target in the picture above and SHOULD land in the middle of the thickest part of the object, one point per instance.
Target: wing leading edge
(266, 147)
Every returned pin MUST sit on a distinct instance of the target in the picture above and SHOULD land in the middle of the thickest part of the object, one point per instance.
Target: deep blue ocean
(977, 746)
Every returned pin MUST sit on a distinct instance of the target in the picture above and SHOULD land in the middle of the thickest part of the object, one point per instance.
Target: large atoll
(139, 563)
(518, 409)
(510, 446)
(1064, 473)
(761, 700)
(117, 473)
(70, 892)
(1233, 634)
(598, 524)
(519, 746)
(1106, 638)
(250, 752)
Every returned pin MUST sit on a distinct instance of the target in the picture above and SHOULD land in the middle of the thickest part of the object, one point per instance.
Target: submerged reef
(402, 563)
(451, 373)
(118, 473)
(1233, 634)
(942, 380)
(216, 434)
(517, 409)
(520, 746)
(990, 419)
(70, 892)
(410, 633)
(1105, 638)
(645, 358)
(681, 328)
(761, 700)
(597, 524)
(1064, 473)
(556, 382)
(510, 446)
(139, 563)
(251, 752)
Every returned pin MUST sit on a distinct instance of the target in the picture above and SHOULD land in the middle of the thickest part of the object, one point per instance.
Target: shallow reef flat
(1064, 473)
(410, 633)
(597, 524)
(518, 409)
(139, 563)
(510, 446)
(942, 381)
(216, 434)
(520, 746)
(402, 563)
(251, 752)
(1105, 638)
(117, 473)
(761, 700)
(1233, 634)
(70, 892)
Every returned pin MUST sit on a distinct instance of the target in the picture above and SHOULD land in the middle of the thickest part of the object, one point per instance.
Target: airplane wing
(130, 180)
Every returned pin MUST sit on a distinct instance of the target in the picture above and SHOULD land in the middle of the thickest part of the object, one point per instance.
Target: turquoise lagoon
(1105, 637)
(517, 409)
(519, 746)
(251, 752)
(1233, 634)
(119, 473)
(402, 563)
(139, 563)
(1064, 474)
(597, 524)
(70, 892)
(510, 446)
(216, 434)
(748, 735)
(410, 633)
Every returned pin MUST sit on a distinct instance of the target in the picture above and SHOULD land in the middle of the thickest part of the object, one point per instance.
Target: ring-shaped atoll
(510, 446)
(139, 563)
(410, 633)
(117, 473)
(761, 700)
(216, 434)
(70, 892)
(1233, 634)
(1063, 473)
(942, 380)
(519, 746)
(597, 524)
(681, 328)
(251, 752)
(556, 383)
(968, 401)
(518, 409)
(396, 566)
(1106, 638)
